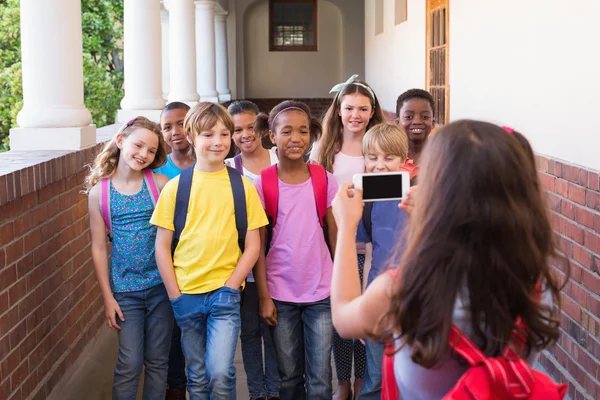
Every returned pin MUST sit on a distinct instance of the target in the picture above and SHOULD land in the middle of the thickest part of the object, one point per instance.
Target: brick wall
(574, 200)
(50, 306)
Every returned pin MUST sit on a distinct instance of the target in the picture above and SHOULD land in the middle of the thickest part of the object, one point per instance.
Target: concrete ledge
(24, 139)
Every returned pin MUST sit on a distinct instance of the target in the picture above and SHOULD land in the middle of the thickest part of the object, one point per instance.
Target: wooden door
(437, 57)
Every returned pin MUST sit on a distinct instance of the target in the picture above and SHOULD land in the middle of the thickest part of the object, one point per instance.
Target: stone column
(165, 59)
(221, 56)
(182, 52)
(53, 116)
(142, 66)
(206, 54)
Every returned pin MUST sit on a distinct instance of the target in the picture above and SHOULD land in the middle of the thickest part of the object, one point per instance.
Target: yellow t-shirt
(208, 250)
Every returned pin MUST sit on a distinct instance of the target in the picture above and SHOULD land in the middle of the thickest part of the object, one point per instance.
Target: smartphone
(382, 186)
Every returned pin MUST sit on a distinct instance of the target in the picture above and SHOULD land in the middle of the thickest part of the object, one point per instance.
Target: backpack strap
(152, 185)
(237, 163)
(366, 219)
(389, 387)
(318, 175)
(239, 205)
(181, 204)
(105, 204)
(270, 188)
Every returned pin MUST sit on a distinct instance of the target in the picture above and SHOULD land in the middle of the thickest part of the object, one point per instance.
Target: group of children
(251, 246)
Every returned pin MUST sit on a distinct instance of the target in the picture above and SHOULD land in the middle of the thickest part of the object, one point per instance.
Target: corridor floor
(91, 378)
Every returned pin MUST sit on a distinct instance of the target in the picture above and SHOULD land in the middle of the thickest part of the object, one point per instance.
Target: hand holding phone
(382, 186)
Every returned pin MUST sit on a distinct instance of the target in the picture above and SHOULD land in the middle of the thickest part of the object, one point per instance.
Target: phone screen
(384, 186)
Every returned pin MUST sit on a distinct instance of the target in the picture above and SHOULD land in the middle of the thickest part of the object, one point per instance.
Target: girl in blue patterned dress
(122, 192)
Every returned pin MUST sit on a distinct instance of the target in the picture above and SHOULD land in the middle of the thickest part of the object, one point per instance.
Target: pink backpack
(151, 184)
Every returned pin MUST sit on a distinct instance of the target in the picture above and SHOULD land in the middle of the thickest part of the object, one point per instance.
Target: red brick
(571, 173)
(576, 194)
(561, 187)
(565, 246)
(592, 303)
(584, 217)
(582, 256)
(17, 291)
(577, 293)
(583, 177)
(597, 223)
(592, 241)
(568, 209)
(593, 182)
(559, 169)
(547, 181)
(14, 251)
(554, 201)
(572, 308)
(7, 232)
(574, 232)
(8, 276)
(2, 258)
(592, 199)
(591, 281)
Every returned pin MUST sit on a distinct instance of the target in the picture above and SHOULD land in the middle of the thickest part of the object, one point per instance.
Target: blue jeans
(371, 387)
(210, 324)
(262, 382)
(303, 338)
(144, 340)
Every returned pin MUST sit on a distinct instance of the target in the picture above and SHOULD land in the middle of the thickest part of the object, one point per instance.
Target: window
(400, 11)
(293, 25)
(437, 57)
(379, 17)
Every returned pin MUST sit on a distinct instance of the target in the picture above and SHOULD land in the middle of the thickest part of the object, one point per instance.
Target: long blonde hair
(330, 142)
(107, 160)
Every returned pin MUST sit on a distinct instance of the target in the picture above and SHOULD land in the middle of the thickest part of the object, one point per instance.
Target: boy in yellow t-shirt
(205, 275)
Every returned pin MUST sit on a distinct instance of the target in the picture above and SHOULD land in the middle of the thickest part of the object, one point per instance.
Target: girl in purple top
(293, 286)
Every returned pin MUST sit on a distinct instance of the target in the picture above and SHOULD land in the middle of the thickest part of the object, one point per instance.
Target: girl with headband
(294, 278)
(354, 110)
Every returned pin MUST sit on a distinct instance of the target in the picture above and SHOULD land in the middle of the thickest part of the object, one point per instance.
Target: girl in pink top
(294, 285)
(354, 110)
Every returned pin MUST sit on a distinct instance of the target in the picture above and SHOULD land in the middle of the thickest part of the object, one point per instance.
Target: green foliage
(102, 22)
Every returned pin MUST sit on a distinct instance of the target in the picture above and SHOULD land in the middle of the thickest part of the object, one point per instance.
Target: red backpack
(270, 188)
(489, 378)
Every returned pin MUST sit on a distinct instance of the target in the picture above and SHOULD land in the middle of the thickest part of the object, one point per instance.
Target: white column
(182, 52)
(221, 51)
(53, 116)
(142, 68)
(164, 33)
(205, 47)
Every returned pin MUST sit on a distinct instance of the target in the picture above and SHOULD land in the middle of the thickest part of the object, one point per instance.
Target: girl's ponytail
(316, 129)
(262, 124)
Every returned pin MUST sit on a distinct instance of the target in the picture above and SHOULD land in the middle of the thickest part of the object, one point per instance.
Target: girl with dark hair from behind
(472, 238)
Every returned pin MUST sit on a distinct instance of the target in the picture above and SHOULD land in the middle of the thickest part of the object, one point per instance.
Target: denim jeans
(176, 378)
(144, 340)
(210, 324)
(371, 387)
(303, 338)
(263, 378)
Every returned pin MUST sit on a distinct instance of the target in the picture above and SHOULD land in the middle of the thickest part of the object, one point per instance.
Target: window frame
(274, 47)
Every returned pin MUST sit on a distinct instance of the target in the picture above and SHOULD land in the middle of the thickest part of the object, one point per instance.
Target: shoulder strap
(239, 205)
(105, 203)
(270, 188)
(152, 185)
(389, 387)
(181, 204)
(237, 163)
(318, 175)
(366, 219)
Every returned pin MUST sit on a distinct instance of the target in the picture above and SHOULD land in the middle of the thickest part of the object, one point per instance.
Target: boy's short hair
(387, 137)
(204, 116)
(414, 94)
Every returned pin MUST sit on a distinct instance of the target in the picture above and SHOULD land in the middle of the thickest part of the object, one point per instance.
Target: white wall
(532, 65)
(528, 64)
(272, 74)
(395, 59)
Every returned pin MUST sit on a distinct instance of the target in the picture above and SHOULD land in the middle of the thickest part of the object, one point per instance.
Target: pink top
(344, 168)
(299, 264)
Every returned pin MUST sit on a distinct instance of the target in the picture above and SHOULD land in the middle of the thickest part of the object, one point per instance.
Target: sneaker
(176, 394)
